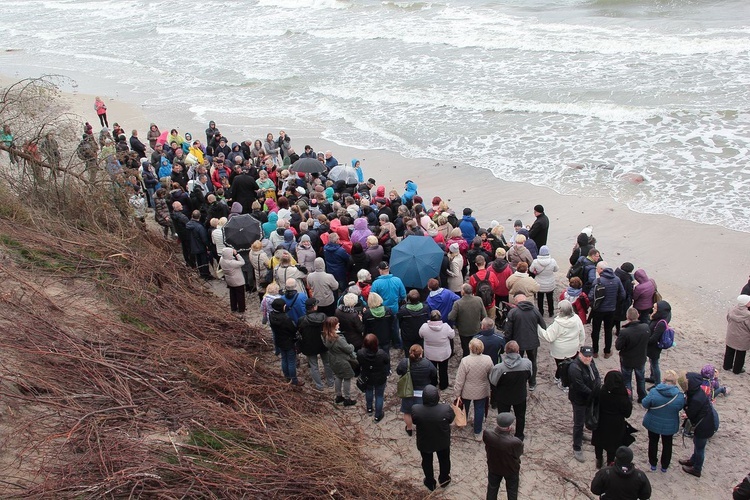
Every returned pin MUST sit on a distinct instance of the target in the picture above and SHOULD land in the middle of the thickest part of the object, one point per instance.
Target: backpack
(484, 289)
(578, 270)
(667, 337)
(564, 371)
(600, 291)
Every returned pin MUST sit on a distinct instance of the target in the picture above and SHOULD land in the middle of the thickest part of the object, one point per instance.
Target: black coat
(351, 327)
(698, 407)
(504, 452)
(199, 242)
(375, 366)
(521, 325)
(613, 410)
(614, 483)
(583, 382)
(381, 327)
(410, 322)
(633, 344)
(539, 229)
(624, 304)
(284, 329)
(433, 421)
(423, 372)
(310, 329)
(244, 191)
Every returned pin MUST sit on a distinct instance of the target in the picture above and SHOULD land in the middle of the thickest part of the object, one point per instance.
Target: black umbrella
(308, 166)
(242, 231)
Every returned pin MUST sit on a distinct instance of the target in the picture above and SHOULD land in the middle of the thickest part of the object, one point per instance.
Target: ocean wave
(409, 5)
(306, 4)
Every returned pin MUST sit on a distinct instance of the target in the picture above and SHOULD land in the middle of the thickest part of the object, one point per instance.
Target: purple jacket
(643, 294)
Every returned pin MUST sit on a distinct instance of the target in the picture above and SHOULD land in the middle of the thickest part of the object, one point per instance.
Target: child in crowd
(710, 384)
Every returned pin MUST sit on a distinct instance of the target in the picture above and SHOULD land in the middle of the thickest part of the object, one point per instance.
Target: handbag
(458, 410)
(405, 386)
(592, 415)
(362, 382)
(355, 366)
(628, 438)
(266, 277)
(657, 296)
(665, 404)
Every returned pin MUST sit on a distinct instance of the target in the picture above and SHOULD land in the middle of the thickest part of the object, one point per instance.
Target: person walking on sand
(738, 335)
(433, 420)
(101, 111)
(503, 457)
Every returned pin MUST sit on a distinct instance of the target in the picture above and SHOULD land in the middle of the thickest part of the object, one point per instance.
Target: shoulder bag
(405, 385)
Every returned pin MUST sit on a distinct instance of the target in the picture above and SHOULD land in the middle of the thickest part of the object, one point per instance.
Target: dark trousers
(734, 360)
(531, 354)
(579, 417)
(465, 345)
(597, 318)
(550, 304)
(442, 368)
(653, 449)
(520, 412)
(493, 485)
(237, 298)
(599, 453)
(186, 253)
(444, 459)
(201, 259)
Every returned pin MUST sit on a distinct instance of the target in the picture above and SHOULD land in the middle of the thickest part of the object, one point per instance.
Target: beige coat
(738, 328)
(521, 283)
(473, 377)
(518, 254)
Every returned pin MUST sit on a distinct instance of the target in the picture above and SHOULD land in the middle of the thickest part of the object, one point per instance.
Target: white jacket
(545, 268)
(566, 335)
(437, 335)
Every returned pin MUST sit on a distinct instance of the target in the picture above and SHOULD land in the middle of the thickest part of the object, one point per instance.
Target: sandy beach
(699, 269)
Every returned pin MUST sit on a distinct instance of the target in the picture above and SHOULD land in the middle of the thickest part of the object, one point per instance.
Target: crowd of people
(321, 272)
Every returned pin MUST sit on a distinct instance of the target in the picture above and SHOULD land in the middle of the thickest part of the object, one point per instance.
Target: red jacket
(485, 274)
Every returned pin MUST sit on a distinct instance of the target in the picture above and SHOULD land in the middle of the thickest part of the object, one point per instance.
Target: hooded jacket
(305, 252)
(467, 314)
(442, 300)
(643, 293)
(411, 317)
(522, 324)
(361, 232)
(310, 330)
(519, 282)
(518, 253)
(391, 289)
(565, 335)
(437, 340)
(351, 325)
(664, 420)
(613, 291)
(508, 379)
(375, 366)
(379, 320)
(698, 407)
(322, 284)
(283, 327)
(617, 482)
(544, 267)
(502, 271)
(270, 226)
(468, 226)
(340, 351)
(232, 266)
(738, 328)
(409, 193)
(627, 284)
(433, 420)
(337, 261)
(493, 343)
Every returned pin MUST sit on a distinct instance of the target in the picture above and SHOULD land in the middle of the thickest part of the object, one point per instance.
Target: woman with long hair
(340, 352)
(376, 366)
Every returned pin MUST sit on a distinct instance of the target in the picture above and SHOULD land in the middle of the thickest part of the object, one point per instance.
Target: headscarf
(614, 383)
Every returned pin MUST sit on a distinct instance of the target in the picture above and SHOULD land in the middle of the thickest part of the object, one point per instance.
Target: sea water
(577, 95)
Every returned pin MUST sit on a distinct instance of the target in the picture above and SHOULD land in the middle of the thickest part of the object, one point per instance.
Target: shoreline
(674, 252)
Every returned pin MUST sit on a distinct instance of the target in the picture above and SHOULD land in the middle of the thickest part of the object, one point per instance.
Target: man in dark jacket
(493, 343)
(244, 191)
(604, 310)
(411, 316)
(521, 326)
(621, 481)
(433, 420)
(508, 380)
(503, 457)
(584, 382)
(284, 334)
(180, 221)
(701, 414)
(136, 144)
(337, 260)
(540, 227)
(310, 328)
(199, 244)
(633, 344)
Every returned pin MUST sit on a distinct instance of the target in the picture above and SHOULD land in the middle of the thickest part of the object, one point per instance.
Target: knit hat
(743, 300)
(494, 224)
(708, 371)
(505, 419)
(544, 250)
(300, 190)
(453, 248)
(623, 456)
(304, 237)
(278, 305)
(627, 267)
(467, 211)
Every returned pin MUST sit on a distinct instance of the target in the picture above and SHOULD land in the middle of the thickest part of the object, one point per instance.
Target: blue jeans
(377, 392)
(655, 370)
(640, 380)
(289, 364)
(699, 453)
(478, 412)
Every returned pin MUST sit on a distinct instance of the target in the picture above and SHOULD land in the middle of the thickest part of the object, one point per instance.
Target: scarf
(378, 312)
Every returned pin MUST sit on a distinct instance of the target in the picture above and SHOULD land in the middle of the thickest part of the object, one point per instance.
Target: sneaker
(478, 437)
(578, 454)
(339, 400)
(557, 381)
(532, 388)
(663, 469)
(319, 388)
(369, 410)
(350, 402)
(377, 419)
(566, 389)
(653, 468)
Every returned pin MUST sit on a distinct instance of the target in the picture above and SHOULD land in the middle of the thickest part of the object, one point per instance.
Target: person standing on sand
(503, 457)
(433, 420)
(738, 335)
(540, 228)
(101, 111)
(622, 480)
(584, 382)
(604, 312)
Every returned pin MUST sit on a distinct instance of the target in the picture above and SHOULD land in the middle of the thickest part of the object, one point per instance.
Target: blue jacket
(442, 302)
(337, 261)
(493, 343)
(295, 303)
(391, 289)
(468, 229)
(411, 190)
(666, 420)
(614, 291)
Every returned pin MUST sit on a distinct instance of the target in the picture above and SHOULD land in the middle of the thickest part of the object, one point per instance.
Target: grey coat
(738, 328)
(339, 352)
(467, 315)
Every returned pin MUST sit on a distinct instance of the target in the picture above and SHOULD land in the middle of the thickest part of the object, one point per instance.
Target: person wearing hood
(437, 344)
(357, 166)
(500, 268)
(211, 132)
(305, 252)
(576, 296)
(340, 353)
(643, 294)
(310, 328)
(323, 287)
(565, 335)
(379, 319)
(272, 148)
(660, 319)
(540, 227)
(337, 260)
(604, 311)
(411, 317)
(375, 364)
(663, 405)
(277, 237)
(622, 480)
(231, 263)
(623, 273)
(503, 457)
(361, 231)
(469, 226)
(544, 268)
(433, 420)
(632, 343)
(703, 417)
(522, 326)
(738, 335)
(508, 380)
(153, 135)
(455, 264)
(270, 226)
(614, 407)
(289, 244)
(285, 332)
(410, 190)
(519, 253)
(521, 283)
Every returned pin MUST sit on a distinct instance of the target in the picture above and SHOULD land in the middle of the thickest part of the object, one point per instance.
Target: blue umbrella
(415, 260)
